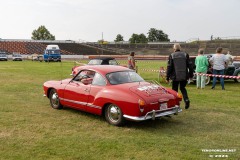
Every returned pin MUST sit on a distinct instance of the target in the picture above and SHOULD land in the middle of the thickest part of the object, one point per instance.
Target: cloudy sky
(88, 19)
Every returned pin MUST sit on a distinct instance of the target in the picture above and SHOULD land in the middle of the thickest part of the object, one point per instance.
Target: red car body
(134, 99)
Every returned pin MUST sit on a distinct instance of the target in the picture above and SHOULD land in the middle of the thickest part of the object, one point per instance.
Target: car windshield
(123, 77)
(95, 62)
(2, 55)
(17, 55)
(102, 62)
(113, 62)
(53, 51)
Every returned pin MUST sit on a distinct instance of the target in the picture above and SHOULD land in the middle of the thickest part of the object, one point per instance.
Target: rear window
(123, 77)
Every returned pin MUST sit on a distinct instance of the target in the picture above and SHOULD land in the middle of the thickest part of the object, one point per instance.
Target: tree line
(154, 35)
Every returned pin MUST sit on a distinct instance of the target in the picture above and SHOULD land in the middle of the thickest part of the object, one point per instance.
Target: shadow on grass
(159, 123)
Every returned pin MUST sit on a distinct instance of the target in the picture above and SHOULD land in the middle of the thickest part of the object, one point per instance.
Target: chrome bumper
(155, 114)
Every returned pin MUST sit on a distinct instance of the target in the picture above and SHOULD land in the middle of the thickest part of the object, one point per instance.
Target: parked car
(230, 70)
(3, 56)
(97, 61)
(116, 92)
(17, 57)
(103, 61)
(35, 57)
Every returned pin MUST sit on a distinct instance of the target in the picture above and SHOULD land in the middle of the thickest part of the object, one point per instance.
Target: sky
(89, 20)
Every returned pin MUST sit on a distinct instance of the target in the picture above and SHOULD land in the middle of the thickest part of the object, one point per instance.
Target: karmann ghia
(115, 92)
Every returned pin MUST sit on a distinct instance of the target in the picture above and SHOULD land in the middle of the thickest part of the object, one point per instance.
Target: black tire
(237, 80)
(54, 99)
(114, 115)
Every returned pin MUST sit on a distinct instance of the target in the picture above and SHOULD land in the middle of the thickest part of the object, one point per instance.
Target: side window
(85, 74)
(98, 80)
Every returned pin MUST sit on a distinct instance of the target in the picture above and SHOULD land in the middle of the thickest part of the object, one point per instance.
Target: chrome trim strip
(93, 106)
(155, 114)
(82, 103)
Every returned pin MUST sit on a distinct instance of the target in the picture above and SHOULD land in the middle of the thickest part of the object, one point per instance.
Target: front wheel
(208, 80)
(237, 80)
(114, 115)
(54, 100)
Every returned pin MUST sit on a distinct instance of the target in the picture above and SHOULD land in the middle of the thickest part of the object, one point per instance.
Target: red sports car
(115, 92)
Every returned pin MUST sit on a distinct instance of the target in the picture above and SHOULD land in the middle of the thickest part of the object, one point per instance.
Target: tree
(142, 38)
(135, 38)
(155, 35)
(119, 38)
(42, 34)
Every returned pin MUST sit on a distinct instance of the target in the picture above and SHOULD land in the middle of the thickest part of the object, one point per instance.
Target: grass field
(31, 129)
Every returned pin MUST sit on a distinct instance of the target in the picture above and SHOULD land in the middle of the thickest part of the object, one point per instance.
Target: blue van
(52, 53)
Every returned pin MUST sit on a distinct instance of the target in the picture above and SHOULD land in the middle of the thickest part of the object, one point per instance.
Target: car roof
(103, 58)
(104, 69)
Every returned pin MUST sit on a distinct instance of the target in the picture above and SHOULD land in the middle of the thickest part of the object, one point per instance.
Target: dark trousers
(182, 84)
(218, 72)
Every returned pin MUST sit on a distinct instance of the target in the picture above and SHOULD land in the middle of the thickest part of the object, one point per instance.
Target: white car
(17, 57)
(3, 57)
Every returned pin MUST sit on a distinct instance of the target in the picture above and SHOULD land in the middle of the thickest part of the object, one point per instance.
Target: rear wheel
(237, 80)
(54, 99)
(114, 115)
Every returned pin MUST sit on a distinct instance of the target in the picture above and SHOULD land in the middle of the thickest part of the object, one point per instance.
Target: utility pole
(102, 43)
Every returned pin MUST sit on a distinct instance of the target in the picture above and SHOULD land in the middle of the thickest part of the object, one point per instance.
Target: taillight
(179, 96)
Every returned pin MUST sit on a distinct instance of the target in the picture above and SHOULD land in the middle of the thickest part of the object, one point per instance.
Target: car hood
(54, 82)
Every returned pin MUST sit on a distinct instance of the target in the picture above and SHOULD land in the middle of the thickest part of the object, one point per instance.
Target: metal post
(102, 43)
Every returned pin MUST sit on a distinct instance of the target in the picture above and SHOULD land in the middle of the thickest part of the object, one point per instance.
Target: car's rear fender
(123, 100)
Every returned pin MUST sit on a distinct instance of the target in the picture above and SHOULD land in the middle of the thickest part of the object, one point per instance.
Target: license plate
(163, 106)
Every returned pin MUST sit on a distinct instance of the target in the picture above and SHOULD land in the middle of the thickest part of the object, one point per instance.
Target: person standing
(179, 70)
(131, 61)
(201, 63)
(218, 62)
(229, 57)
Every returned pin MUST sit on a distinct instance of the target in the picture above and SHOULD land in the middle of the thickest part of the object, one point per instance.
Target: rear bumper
(155, 114)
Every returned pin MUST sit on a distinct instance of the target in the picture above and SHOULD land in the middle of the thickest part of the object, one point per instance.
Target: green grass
(31, 129)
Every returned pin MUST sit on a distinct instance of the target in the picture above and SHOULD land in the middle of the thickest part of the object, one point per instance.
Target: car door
(76, 93)
(94, 104)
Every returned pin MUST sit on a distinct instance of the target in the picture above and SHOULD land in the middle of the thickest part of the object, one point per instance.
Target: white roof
(52, 46)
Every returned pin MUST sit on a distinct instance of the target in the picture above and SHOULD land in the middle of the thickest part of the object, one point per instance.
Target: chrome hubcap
(55, 99)
(207, 81)
(114, 113)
